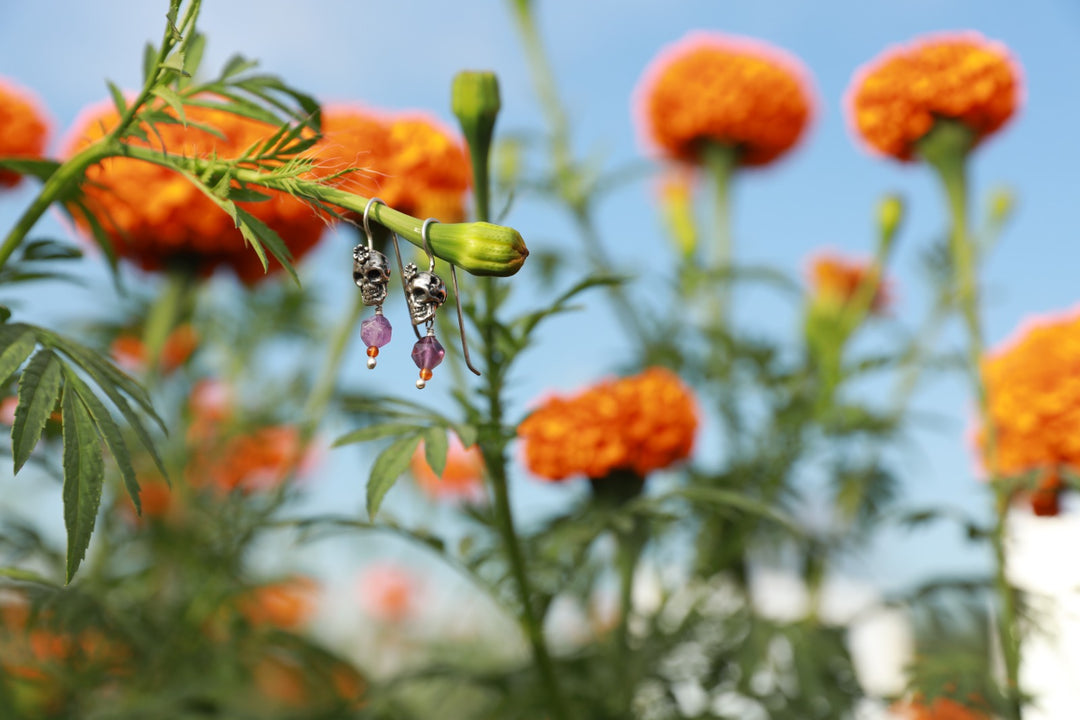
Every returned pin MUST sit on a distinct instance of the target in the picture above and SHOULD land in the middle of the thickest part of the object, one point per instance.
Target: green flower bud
(475, 102)
(479, 248)
(474, 98)
(890, 212)
(1002, 204)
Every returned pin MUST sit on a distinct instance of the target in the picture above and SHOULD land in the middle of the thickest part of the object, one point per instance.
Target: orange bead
(373, 351)
(425, 374)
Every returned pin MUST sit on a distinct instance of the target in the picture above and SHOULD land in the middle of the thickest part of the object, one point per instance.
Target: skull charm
(425, 292)
(371, 272)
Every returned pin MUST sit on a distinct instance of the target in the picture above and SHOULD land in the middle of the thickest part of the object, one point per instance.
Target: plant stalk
(946, 149)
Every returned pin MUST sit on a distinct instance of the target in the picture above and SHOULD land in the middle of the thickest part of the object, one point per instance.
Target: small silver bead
(420, 384)
(371, 363)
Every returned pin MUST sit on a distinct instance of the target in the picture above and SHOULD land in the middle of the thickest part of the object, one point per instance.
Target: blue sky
(402, 55)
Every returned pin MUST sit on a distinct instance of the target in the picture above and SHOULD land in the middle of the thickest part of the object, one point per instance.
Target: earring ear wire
(424, 235)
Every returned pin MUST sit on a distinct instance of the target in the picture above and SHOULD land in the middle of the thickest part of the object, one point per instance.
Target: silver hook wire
(367, 227)
(457, 295)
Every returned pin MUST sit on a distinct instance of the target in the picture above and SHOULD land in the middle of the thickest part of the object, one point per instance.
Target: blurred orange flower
(462, 477)
(410, 161)
(356, 139)
(941, 708)
(834, 280)
(129, 352)
(639, 424)
(23, 128)
(1033, 391)
(255, 461)
(714, 88)
(894, 100)
(388, 592)
(158, 219)
(285, 605)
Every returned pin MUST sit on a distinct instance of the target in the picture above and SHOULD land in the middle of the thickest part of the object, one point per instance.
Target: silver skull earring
(425, 292)
(371, 273)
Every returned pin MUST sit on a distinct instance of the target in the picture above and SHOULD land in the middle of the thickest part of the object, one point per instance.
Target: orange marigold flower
(894, 100)
(388, 592)
(462, 477)
(287, 604)
(714, 88)
(941, 708)
(23, 128)
(357, 139)
(637, 424)
(260, 460)
(157, 218)
(1033, 392)
(155, 497)
(834, 280)
(411, 162)
(129, 352)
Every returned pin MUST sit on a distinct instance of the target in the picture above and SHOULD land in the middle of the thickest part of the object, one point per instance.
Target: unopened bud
(474, 98)
(1002, 204)
(890, 213)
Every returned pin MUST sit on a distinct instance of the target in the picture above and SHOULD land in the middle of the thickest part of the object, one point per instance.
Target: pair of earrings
(425, 292)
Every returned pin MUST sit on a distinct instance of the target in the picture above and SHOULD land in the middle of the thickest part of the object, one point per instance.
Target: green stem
(721, 162)
(323, 391)
(946, 148)
(493, 443)
(566, 177)
(628, 552)
(172, 304)
(480, 248)
(56, 187)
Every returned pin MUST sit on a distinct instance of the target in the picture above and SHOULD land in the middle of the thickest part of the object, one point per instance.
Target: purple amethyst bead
(375, 331)
(427, 353)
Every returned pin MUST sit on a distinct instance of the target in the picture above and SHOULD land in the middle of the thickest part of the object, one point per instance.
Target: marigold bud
(890, 213)
(474, 98)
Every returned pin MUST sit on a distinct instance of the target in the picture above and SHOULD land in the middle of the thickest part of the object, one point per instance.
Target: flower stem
(493, 443)
(628, 552)
(721, 161)
(323, 391)
(56, 187)
(566, 177)
(946, 148)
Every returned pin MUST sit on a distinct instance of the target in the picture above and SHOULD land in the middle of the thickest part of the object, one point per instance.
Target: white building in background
(1041, 562)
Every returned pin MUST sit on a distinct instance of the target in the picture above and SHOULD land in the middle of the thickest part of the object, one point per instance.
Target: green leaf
(729, 500)
(175, 101)
(258, 232)
(15, 352)
(238, 194)
(41, 169)
(194, 49)
(374, 432)
(84, 474)
(436, 445)
(175, 62)
(388, 467)
(236, 65)
(530, 321)
(114, 384)
(101, 237)
(109, 432)
(117, 97)
(467, 434)
(45, 249)
(39, 387)
(149, 57)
